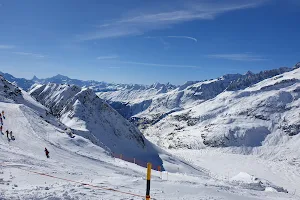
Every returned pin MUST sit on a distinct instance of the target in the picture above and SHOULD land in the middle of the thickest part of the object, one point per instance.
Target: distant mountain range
(97, 86)
(238, 81)
(145, 105)
(20, 82)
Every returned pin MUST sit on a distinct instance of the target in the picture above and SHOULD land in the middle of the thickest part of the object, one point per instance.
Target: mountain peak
(34, 78)
(249, 73)
(297, 65)
(59, 76)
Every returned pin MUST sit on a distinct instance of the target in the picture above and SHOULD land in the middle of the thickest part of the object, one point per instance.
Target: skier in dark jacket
(7, 133)
(11, 136)
(47, 152)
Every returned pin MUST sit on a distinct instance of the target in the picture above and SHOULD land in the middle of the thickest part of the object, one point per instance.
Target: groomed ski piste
(79, 169)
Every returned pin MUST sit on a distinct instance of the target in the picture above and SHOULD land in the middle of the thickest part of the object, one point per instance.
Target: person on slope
(7, 132)
(1, 128)
(3, 114)
(47, 152)
(11, 136)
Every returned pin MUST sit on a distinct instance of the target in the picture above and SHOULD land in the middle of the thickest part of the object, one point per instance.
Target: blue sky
(141, 41)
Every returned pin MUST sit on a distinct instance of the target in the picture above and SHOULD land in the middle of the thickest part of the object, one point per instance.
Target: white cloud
(175, 36)
(159, 65)
(185, 11)
(6, 46)
(110, 32)
(184, 37)
(107, 57)
(29, 54)
(238, 57)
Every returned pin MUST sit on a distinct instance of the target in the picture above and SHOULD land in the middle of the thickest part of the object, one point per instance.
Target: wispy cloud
(30, 54)
(184, 11)
(184, 37)
(107, 57)
(238, 57)
(6, 46)
(110, 32)
(159, 65)
(175, 36)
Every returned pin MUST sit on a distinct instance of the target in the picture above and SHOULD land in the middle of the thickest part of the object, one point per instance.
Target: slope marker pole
(149, 166)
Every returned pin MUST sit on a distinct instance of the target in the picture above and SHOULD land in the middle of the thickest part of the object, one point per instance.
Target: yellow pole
(149, 166)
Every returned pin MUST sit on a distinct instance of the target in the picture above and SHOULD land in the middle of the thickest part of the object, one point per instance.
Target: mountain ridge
(91, 117)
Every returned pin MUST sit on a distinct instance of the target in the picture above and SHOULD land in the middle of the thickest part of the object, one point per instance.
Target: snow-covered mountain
(89, 116)
(145, 107)
(98, 86)
(261, 118)
(20, 82)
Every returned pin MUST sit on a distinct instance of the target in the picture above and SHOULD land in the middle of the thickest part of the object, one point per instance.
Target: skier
(3, 114)
(1, 129)
(1, 121)
(7, 132)
(69, 132)
(47, 152)
(11, 136)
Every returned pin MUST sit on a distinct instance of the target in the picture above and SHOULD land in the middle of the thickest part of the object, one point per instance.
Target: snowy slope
(89, 116)
(79, 169)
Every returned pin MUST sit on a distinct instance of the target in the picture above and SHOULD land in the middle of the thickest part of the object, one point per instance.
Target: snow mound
(248, 181)
(270, 189)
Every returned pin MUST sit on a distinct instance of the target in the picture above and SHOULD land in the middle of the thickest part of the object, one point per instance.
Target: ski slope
(77, 159)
